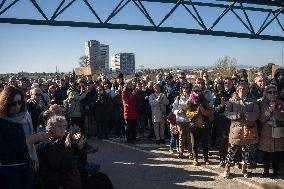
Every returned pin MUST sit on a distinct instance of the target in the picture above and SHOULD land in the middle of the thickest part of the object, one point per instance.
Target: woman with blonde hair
(272, 118)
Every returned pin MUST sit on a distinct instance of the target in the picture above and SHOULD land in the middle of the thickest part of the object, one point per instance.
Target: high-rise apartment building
(98, 56)
(105, 55)
(124, 63)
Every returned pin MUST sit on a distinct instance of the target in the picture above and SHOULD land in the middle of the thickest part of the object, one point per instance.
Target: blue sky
(42, 48)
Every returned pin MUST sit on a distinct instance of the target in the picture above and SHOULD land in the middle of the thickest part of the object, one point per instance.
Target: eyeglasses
(15, 103)
(271, 92)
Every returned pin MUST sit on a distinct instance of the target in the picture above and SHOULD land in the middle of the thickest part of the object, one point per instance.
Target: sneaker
(245, 174)
(237, 166)
(244, 170)
(225, 174)
(171, 151)
(195, 162)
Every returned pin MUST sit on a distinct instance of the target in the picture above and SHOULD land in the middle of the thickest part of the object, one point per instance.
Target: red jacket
(129, 105)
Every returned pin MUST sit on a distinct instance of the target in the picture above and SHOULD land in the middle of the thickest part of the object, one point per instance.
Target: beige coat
(158, 106)
(242, 131)
(266, 142)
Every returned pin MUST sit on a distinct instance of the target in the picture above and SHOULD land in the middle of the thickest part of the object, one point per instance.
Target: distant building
(124, 63)
(98, 57)
(105, 55)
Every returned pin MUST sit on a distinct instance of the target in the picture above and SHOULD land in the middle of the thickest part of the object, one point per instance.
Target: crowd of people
(44, 124)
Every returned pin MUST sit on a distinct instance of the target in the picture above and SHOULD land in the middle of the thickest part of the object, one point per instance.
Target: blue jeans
(17, 177)
(173, 141)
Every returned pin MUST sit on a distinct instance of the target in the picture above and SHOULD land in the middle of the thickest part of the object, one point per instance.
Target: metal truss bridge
(194, 11)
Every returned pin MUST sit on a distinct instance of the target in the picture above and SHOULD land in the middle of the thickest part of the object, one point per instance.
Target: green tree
(267, 69)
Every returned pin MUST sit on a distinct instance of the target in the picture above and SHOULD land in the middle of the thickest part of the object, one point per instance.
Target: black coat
(13, 147)
(221, 123)
(58, 165)
(103, 108)
(35, 111)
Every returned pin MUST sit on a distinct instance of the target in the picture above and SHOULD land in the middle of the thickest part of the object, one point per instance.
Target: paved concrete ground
(148, 166)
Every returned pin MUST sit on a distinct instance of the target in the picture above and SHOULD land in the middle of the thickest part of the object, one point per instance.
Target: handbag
(277, 132)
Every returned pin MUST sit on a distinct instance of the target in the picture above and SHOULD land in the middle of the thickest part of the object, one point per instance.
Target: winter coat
(158, 107)
(24, 118)
(74, 108)
(60, 95)
(35, 108)
(199, 117)
(209, 96)
(142, 103)
(256, 91)
(102, 107)
(242, 130)
(221, 122)
(180, 103)
(129, 104)
(88, 103)
(171, 92)
(58, 165)
(148, 110)
(266, 142)
(13, 147)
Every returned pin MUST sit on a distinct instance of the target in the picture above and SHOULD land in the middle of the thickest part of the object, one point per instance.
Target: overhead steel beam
(216, 5)
(139, 27)
(189, 5)
(277, 3)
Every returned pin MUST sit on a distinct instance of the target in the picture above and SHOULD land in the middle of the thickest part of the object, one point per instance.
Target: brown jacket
(266, 142)
(243, 130)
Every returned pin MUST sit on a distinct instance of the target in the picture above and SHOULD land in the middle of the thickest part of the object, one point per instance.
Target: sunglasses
(15, 103)
(182, 77)
(271, 92)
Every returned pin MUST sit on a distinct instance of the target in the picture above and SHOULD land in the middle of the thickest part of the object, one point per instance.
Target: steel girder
(273, 9)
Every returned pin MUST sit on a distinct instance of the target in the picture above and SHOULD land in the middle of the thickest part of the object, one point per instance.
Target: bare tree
(84, 61)
(225, 66)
